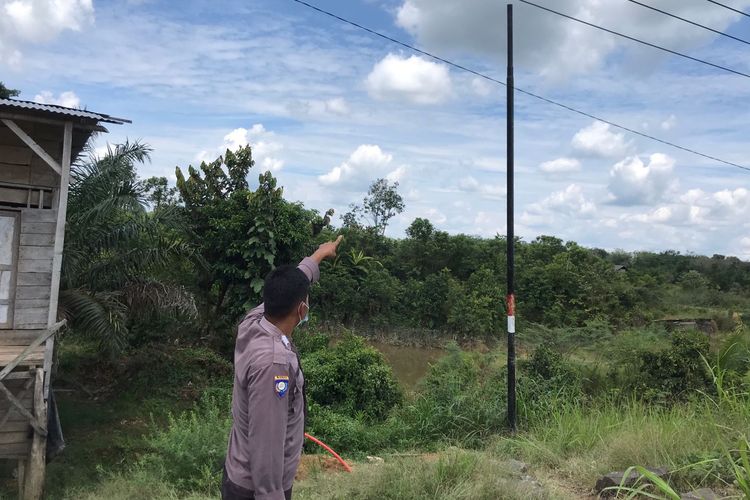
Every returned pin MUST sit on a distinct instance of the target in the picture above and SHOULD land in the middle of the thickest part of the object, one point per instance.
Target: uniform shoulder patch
(281, 385)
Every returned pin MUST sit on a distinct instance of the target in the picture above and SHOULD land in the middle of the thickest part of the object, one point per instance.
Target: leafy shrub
(351, 378)
(547, 378)
(675, 372)
(190, 451)
(462, 400)
(347, 434)
(184, 370)
(308, 340)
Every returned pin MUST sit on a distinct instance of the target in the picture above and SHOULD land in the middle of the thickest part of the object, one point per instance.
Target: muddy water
(409, 364)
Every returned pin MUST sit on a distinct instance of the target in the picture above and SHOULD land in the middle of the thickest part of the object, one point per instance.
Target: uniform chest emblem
(281, 385)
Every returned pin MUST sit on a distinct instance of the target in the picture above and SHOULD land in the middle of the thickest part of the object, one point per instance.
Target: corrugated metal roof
(13, 104)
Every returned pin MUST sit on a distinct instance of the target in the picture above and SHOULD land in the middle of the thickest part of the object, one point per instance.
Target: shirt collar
(270, 327)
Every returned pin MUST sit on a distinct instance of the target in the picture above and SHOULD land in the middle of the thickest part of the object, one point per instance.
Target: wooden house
(38, 142)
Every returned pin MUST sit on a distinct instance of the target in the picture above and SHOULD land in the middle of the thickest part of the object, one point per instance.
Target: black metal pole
(510, 237)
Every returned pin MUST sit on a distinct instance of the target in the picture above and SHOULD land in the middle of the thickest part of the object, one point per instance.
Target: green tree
(116, 253)
(380, 205)
(420, 229)
(159, 193)
(6, 93)
(239, 233)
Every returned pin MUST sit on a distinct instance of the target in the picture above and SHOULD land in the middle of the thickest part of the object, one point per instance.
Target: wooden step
(9, 352)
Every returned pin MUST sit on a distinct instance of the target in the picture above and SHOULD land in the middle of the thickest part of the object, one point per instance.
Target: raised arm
(309, 266)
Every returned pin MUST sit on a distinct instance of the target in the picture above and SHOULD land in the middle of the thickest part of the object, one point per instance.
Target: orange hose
(320, 443)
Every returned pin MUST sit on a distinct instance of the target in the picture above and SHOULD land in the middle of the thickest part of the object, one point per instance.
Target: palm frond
(100, 315)
(158, 297)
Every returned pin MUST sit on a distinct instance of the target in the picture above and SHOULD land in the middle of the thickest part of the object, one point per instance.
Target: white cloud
(658, 215)
(491, 164)
(263, 143)
(745, 246)
(490, 223)
(561, 165)
(412, 79)
(669, 123)
(634, 183)
(337, 105)
(68, 99)
(695, 207)
(319, 107)
(482, 87)
(570, 201)
(38, 21)
(490, 191)
(566, 48)
(365, 164)
(435, 216)
(597, 139)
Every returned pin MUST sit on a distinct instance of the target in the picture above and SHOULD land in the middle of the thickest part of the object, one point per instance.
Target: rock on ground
(614, 479)
(700, 494)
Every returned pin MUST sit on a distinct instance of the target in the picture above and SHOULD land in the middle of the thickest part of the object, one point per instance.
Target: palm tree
(116, 251)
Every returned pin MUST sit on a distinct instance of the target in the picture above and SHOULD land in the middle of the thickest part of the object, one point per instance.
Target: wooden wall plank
(26, 252)
(26, 279)
(15, 450)
(37, 227)
(31, 303)
(42, 174)
(32, 292)
(30, 326)
(36, 215)
(30, 316)
(18, 337)
(35, 266)
(14, 173)
(14, 196)
(17, 426)
(39, 240)
(9, 352)
(13, 437)
(16, 155)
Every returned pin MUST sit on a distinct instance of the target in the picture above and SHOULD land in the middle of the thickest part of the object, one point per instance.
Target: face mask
(304, 320)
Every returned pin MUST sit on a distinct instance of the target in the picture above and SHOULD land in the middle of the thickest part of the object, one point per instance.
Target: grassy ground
(124, 445)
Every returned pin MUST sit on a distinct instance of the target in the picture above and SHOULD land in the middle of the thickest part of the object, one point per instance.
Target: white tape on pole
(511, 324)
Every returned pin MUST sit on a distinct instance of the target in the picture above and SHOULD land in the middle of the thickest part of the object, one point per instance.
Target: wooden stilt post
(20, 473)
(62, 210)
(34, 482)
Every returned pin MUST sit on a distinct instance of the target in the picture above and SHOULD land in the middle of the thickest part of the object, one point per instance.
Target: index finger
(338, 240)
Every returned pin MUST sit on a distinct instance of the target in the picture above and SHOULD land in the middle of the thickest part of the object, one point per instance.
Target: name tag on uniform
(281, 385)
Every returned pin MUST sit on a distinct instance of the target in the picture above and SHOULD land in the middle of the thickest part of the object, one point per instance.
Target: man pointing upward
(268, 398)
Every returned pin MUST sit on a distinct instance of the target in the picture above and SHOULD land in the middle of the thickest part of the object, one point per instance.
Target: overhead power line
(649, 44)
(517, 89)
(738, 11)
(690, 22)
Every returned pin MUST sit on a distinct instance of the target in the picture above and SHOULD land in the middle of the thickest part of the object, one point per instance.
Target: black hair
(285, 287)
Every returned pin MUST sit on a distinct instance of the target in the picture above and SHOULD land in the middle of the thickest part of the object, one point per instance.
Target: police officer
(268, 401)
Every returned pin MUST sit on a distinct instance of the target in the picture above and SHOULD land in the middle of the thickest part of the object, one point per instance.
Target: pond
(409, 363)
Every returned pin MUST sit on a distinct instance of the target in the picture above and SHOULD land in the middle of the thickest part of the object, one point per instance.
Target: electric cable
(730, 8)
(690, 22)
(638, 40)
(526, 92)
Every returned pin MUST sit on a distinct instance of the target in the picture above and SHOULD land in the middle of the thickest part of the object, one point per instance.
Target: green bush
(179, 370)
(351, 378)
(675, 373)
(190, 451)
(461, 400)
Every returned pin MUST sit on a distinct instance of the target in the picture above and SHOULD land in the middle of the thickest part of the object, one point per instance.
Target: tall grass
(455, 474)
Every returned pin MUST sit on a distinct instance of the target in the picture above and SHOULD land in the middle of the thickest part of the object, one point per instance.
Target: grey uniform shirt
(267, 434)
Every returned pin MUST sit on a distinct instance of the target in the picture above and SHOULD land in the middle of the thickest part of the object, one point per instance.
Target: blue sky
(329, 108)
